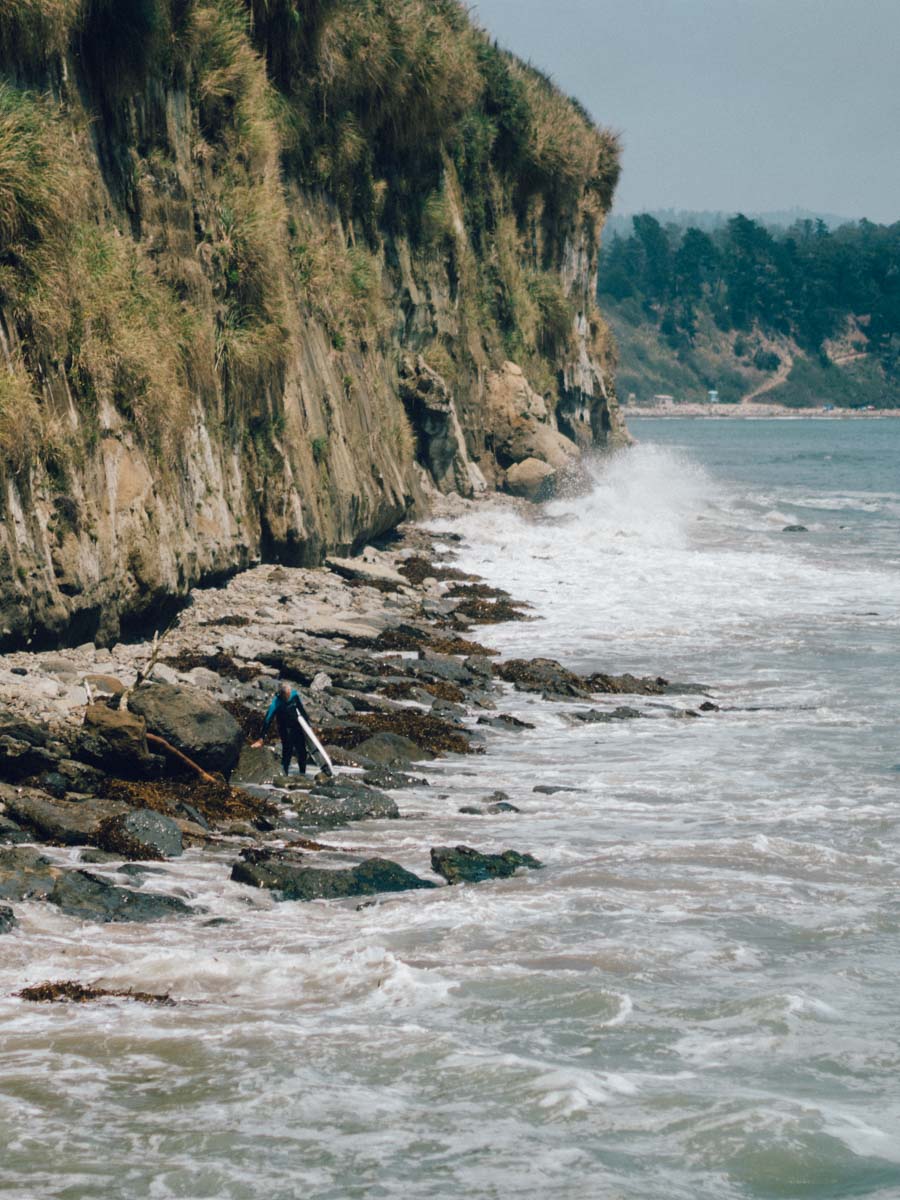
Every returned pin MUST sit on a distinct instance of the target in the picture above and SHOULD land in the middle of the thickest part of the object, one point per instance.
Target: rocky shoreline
(100, 749)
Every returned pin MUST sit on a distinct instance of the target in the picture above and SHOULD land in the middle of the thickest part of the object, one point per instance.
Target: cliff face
(265, 271)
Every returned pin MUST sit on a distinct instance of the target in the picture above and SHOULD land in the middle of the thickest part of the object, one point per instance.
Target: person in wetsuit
(283, 710)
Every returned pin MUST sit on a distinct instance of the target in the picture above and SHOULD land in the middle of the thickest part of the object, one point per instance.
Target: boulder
(81, 777)
(330, 805)
(192, 722)
(105, 685)
(388, 749)
(291, 881)
(113, 740)
(24, 874)
(462, 864)
(63, 821)
(505, 721)
(531, 480)
(23, 747)
(596, 716)
(256, 766)
(12, 834)
(520, 422)
(140, 834)
(7, 919)
(85, 895)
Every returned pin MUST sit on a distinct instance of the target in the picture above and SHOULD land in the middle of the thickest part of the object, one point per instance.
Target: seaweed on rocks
(418, 569)
(216, 802)
(221, 664)
(429, 732)
(70, 991)
(544, 675)
(250, 719)
(406, 689)
(462, 864)
(490, 612)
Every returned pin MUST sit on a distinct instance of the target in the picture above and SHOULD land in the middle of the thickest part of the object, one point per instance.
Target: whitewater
(694, 1000)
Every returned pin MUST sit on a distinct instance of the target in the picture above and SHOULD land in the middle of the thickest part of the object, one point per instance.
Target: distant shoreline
(750, 412)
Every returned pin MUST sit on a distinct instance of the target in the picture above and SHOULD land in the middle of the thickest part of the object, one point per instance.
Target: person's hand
(257, 745)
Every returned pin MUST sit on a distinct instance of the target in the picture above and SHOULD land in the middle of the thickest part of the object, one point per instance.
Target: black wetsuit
(293, 743)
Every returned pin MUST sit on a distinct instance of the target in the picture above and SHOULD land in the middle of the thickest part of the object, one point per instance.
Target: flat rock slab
(141, 834)
(25, 874)
(192, 722)
(366, 572)
(67, 822)
(82, 894)
(292, 882)
(329, 806)
(462, 864)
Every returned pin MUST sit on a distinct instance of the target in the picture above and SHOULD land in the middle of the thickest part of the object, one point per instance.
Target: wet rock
(708, 706)
(462, 864)
(53, 784)
(383, 777)
(63, 821)
(502, 806)
(81, 777)
(97, 857)
(496, 797)
(544, 675)
(7, 919)
(192, 722)
(256, 766)
(293, 882)
(505, 721)
(547, 789)
(12, 834)
(531, 480)
(140, 834)
(193, 815)
(471, 810)
(795, 529)
(389, 748)
(25, 874)
(329, 806)
(85, 895)
(139, 870)
(596, 716)
(628, 685)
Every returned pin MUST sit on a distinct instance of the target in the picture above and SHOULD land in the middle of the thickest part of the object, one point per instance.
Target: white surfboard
(317, 748)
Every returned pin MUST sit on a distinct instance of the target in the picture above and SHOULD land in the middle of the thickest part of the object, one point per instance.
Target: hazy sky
(730, 104)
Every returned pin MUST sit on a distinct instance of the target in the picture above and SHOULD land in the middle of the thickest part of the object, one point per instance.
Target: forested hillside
(801, 316)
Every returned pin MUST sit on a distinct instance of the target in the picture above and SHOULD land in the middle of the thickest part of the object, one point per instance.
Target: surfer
(285, 709)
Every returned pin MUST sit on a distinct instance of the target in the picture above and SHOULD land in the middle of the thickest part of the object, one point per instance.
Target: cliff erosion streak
(271, 275)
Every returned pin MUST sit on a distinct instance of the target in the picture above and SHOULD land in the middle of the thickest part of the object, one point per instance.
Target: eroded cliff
(270, 272)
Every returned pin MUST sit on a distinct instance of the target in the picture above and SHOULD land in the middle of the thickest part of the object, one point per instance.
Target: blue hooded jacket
(283, 711)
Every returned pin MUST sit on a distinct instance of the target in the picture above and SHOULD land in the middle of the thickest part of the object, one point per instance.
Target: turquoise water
(695, 1000)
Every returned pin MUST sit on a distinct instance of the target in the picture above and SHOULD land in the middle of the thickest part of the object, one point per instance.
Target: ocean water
(696, 999)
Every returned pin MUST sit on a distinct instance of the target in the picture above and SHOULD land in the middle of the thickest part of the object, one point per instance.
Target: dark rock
(547, 789)
(504, 721)
(81, 777)
(12, 834)
(471, 810)
(24, 874)
(293, 882)
(439, 666)
(543, 675)
(462, 864)
(82, 894)
(628, 685)
(193, 814)
(494, 798)
(24, 751)
(137, 870)
(97, 856)
(480, 665)
(795, 529)
(685, 689)
(388, 748)
(53, 783)
(66, 822)
(140, 834)
(502, 806)
(18, 671)
(596, 716)
(256, 766)
(332, 804)
(382, 777)
(192, 722)
(708, 706)
(7, 919)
